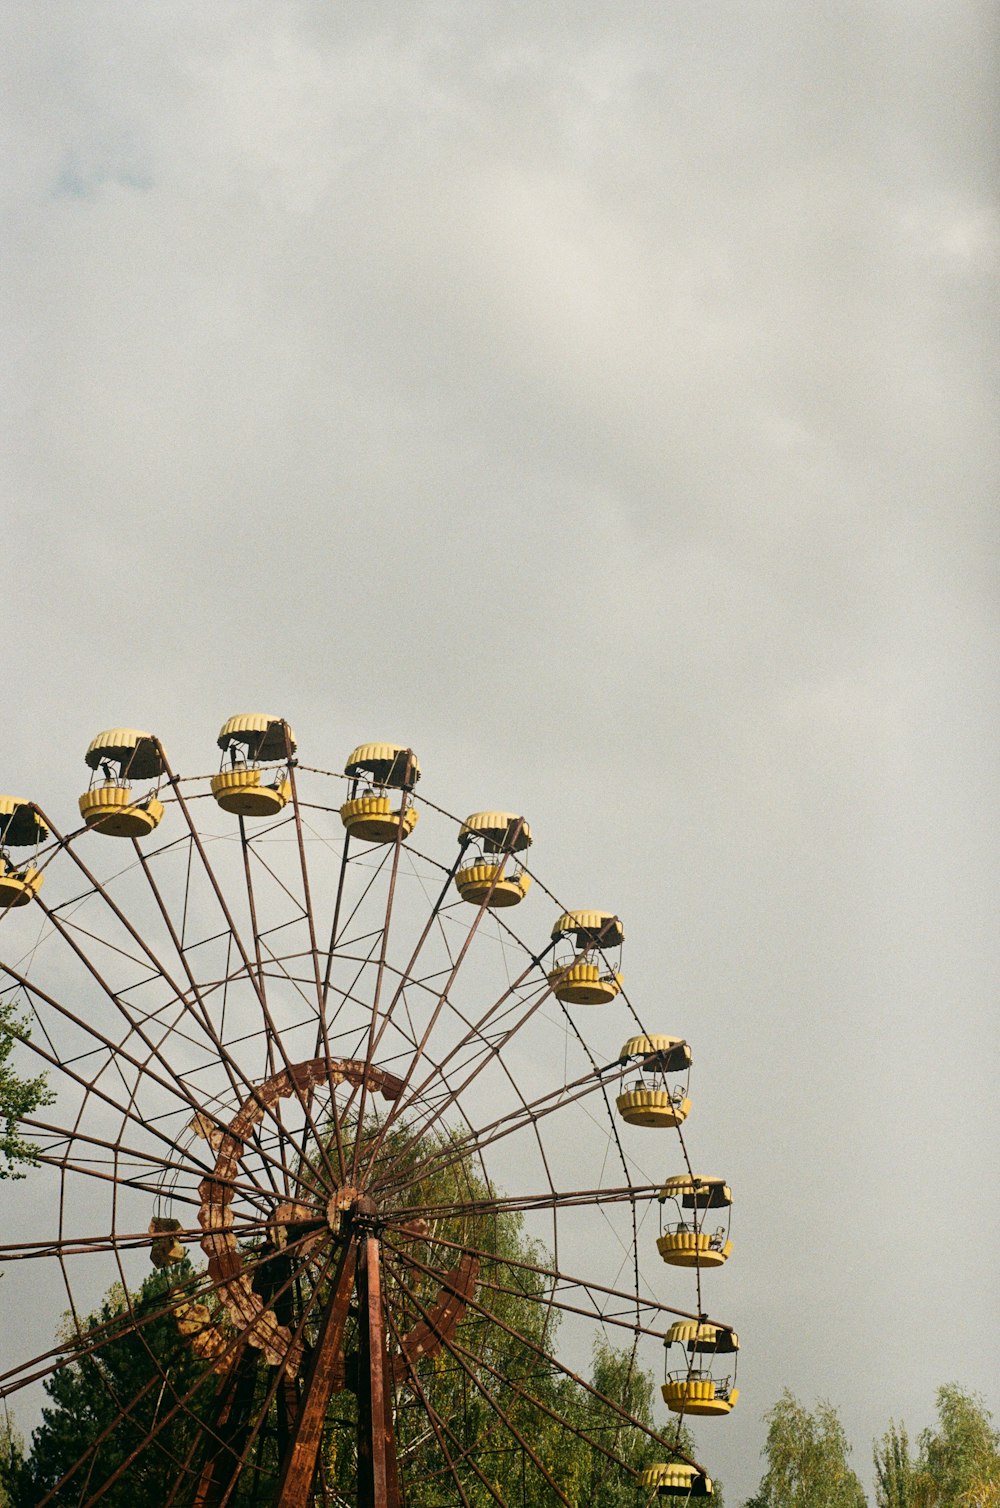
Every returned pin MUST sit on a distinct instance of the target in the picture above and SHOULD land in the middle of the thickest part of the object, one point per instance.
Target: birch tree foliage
(807, 1459)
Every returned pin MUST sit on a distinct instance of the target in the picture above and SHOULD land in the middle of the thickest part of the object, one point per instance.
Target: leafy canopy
(806, 1455)
(18, 1097)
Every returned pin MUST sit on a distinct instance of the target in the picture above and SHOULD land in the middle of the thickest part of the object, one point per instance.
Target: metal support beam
(378, 1482)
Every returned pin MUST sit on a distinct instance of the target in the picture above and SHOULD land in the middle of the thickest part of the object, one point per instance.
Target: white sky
(600, 399)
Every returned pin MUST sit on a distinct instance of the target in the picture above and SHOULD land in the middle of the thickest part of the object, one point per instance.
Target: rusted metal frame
(299, 1466)
(383, 860)
(515, 1120)
(213, 1036)
(141, 1335)
(490, 1049)
(404, 797)
(324, 1036)
(128, 1241)
(511, 1203)
(241, 1372)
(252, 905)
(536, 960)
(491, 1401)
(276, 1381)
(442, 999)
(155, 962)
(160, 1425)
(565, 1279)
(453, 1094)
(540, 1144)
(405, 974)
(623, 1161)
(441, 1427)
(70, 1352)
(64, 1165)
(543, 1301)
(74, 926)
(544, 1408)
(550, 1360)
(117, 1051)
(378, 1480)
(568, 1016)
(112, 1047)
(335, 922)
(550, 1413)
(261, 997)
(441, 1158)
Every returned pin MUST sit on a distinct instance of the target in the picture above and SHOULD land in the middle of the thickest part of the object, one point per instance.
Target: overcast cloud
(601, 399)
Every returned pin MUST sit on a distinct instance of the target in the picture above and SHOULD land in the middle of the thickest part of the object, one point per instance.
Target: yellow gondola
(166, 1249)
(122, 755)
(247, 741)
(20, 827)
(685, 1243)
(695, 1389)
(651, 1100)
(675, 1479)
(589, 974)
(375, 769)
(488, 873)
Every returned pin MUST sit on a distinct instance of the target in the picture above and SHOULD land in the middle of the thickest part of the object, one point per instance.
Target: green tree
(806, 1455)
(18, 1097)
(958, 1464)
(11, 1463)
(118, 1385)
(895, 1472)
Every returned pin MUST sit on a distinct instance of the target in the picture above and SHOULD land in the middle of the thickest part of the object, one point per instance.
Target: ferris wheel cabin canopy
(675, 1479)
(266, 738)
(20, 824)
(385, 764)
(137, 753)
(591, 928)
(702, 1336)
(697, 1193)
(495, 830)
(659, 1053)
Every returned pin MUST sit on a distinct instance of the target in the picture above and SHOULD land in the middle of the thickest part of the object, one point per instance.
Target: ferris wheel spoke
(518, 1119)
(405, 977)
(520, 1203)
(377, 991)
(442, 1429)
(323, 1037)
(551, 1297)
(557, 1276)
(69, 1353)
(476, 1031)
(273, 1033)
(118, 1055)
(553, 1361)
(481, 1388)
(474, 1034)
(298, 1337)
(490, 1052)
(543, 1408)
(230, 1067)
(432, 1021)
(173, 1082)
(116, 1241)
(181, 1403)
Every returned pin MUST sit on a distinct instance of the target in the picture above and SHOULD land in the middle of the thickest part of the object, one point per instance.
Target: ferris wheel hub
(341, 1205)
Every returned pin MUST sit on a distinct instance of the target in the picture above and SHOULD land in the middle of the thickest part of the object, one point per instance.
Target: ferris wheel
(340, 1101)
